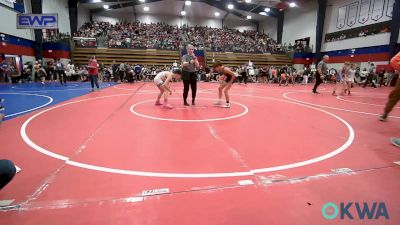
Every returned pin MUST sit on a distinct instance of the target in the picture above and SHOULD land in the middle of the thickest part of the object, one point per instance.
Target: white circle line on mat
(32, 109)
(362, 103)
(348, 142)
(285, 95)
(246, 110)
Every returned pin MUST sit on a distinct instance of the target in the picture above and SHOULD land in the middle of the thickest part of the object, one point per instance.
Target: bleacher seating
(165, 57)
(238, 59)
(133, 56)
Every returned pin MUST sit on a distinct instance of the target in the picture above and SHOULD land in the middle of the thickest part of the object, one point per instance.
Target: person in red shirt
(394, 96)
(93, 69)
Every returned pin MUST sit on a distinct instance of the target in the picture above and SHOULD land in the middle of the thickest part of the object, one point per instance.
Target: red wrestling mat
(275, 157)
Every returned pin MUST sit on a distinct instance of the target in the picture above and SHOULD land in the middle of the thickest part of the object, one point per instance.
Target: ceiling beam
(248, 7)
(256, 8)
(222, 7)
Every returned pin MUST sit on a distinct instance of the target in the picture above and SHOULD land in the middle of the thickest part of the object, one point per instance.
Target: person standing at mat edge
(93, 72)
(370, 76)
(321, 70)
(394, 96)
(60, 71)
(1, 109)
(190, 64)
(3, 69)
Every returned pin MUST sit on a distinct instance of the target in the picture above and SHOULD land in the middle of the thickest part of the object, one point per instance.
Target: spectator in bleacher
(164, 36)
(190, 65)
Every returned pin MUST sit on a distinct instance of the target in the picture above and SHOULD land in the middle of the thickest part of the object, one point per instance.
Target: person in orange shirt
(394, 96)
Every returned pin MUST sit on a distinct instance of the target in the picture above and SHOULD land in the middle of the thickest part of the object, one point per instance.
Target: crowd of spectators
(230, 40)
(164, 36)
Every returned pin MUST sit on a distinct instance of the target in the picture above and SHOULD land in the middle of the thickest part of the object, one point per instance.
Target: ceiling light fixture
(183, 13)
(248, 17)
(292, 4)
(216, 14)
(188, 2)
(146, 8)
(106, 6)
(230, 6)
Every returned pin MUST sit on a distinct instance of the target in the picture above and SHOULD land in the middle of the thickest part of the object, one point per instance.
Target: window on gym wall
(53, 35)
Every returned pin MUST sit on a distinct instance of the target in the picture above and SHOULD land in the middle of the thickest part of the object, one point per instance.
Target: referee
(189, 66)
(321, 70)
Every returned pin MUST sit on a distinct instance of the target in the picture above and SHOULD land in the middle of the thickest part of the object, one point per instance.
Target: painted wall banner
(341, 19)
(389, 10)
(37, 21)
(377, 9)
(352, 15)
(363, 16)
